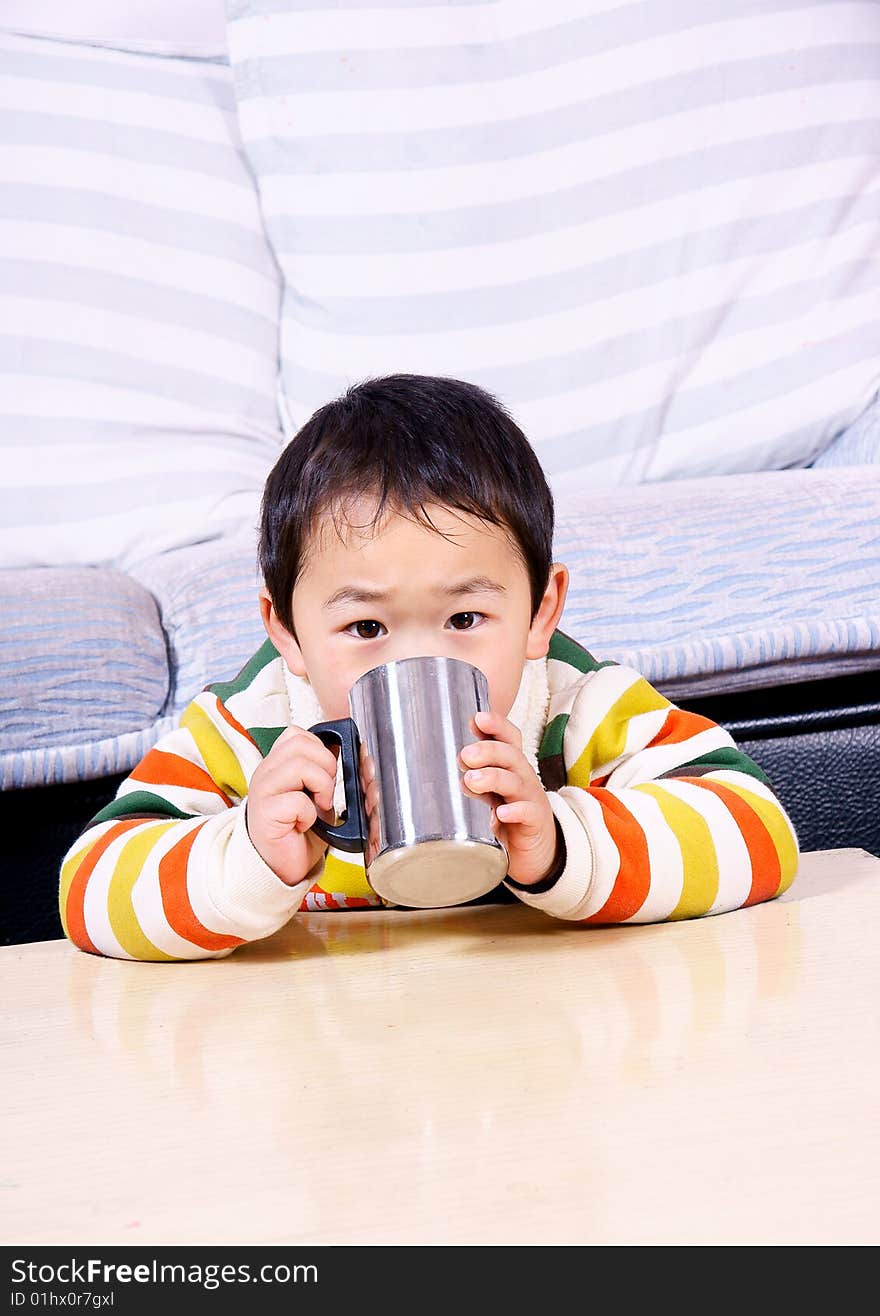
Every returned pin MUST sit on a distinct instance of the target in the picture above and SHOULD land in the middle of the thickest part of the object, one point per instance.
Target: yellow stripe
(129, 865)
(342, 878)
(772, 817)
(68, 873)
(694, 836)
(219, 757)
(608, 741)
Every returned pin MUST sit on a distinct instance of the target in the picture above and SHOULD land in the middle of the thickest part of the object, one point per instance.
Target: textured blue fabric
(858, 445)
(83, 658)
(730, 582)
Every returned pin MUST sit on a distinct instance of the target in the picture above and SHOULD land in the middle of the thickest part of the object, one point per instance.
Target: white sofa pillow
(163, 27)
(650, 229)
(139, 307)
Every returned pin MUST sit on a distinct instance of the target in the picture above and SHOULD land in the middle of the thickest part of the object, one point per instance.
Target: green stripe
(224, 690)
(264, 737)
(551, 741)
(139, 802)
(565, 650)
(733, 759)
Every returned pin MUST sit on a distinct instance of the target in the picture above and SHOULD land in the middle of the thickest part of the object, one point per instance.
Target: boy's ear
(280, 636)
(547, 617)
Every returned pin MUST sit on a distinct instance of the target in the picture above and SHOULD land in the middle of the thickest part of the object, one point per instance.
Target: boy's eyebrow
(354, 594)
(348, 594)
(475, 585)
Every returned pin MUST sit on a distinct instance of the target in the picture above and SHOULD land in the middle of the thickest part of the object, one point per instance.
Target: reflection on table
(464, 1075)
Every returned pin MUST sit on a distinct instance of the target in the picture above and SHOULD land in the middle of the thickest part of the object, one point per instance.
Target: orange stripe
(766, 868)
(234, 723)
(329, 900)
(159, 768)
(75, 916)
(680, 725)
(175, 898)
(634, 875)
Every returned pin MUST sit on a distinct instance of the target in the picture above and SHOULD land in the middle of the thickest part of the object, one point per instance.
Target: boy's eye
(366, 630)
(464, 621)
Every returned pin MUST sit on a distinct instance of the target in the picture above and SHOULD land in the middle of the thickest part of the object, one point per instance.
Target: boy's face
(404, 590)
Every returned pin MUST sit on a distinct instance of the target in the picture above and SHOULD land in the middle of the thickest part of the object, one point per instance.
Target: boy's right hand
(295, 781)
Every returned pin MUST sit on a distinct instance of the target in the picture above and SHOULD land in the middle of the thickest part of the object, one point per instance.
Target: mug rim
(419, 658)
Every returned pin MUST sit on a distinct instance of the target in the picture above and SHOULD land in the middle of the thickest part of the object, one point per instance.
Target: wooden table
(482, 1075)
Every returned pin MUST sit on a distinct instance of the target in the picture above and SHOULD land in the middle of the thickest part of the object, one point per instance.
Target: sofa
(652, 233)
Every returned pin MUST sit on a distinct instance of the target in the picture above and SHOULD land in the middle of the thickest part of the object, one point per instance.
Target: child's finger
(493, 781)
(305, 814)
(295, 742)
(491, 753)
(524, 813)
(303, 774)
(492, 724)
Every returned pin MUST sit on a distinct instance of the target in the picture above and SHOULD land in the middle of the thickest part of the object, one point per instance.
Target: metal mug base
(434, 874)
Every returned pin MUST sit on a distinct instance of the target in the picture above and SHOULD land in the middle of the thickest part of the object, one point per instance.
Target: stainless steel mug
(426, 843)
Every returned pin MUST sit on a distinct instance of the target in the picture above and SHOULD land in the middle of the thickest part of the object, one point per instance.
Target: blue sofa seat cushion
(84, 663)
(731, 582)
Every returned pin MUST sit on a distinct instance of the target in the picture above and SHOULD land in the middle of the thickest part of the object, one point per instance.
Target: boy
(411, 516)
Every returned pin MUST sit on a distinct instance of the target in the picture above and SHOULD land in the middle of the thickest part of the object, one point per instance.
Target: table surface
(473, 1075)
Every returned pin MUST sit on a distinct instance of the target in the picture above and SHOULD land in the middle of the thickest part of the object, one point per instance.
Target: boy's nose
(428, 648)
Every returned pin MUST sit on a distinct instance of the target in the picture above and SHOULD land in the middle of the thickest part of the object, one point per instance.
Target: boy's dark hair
(411, 440)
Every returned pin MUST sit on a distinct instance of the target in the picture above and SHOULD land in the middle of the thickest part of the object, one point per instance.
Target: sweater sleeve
(663, 817)
(167, 870)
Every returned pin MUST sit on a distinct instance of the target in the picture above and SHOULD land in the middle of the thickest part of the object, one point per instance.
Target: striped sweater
(663, 816)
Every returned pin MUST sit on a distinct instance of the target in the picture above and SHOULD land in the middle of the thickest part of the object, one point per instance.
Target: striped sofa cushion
(159, 27)
(650, 229)
(139, 305)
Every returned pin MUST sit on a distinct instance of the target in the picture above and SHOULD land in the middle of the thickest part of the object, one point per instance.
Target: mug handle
(350, 835)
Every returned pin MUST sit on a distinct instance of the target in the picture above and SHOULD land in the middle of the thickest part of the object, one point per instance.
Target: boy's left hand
(522, 818)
